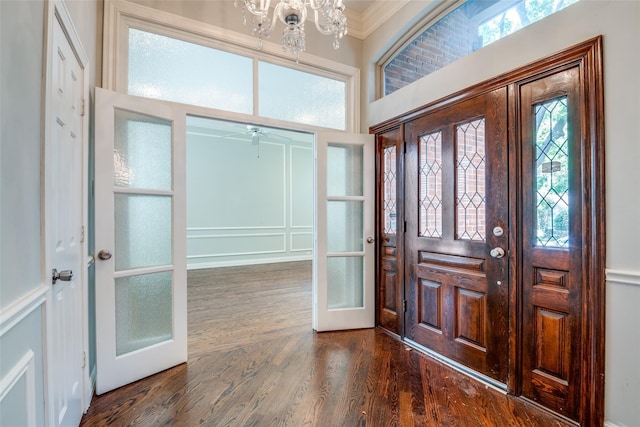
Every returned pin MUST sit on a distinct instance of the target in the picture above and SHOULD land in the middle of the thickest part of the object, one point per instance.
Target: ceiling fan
(256, 133)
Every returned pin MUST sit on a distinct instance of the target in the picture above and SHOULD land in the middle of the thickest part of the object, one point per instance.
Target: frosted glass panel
(143, 231)
(345, 280)
(285, 93)
(144, 315)
(344, 226)
(344, 170)
(142, 151)
(174, 70)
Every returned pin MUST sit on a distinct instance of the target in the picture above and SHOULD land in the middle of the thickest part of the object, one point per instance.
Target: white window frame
(122, 15)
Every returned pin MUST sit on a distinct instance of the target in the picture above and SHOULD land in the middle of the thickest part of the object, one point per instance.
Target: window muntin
(471, 26)
(175, 70)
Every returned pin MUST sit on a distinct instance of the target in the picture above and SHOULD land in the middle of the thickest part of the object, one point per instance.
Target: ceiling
(243, 132)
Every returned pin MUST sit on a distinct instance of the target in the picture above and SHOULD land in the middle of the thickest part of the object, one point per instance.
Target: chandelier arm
(319, 4)
(262, 10)
(321, 29)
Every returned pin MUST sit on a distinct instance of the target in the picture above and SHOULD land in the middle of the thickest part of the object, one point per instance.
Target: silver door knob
(65, 276)
(497, 252)
(370, 240)
(104, 255)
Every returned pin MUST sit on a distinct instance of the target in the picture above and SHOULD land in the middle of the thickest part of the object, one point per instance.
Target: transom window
(471, 26)
(172, 69)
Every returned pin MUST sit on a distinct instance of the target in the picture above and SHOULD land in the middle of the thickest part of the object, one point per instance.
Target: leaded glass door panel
(456, 247)
(390, 229)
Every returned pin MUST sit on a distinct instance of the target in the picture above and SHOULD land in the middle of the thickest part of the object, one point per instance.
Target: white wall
(619, 23)
(21, 332)
(23, 286)
(222, 13)
(243, 209)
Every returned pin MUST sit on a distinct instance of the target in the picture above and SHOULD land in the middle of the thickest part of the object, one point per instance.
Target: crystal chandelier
(328, 16)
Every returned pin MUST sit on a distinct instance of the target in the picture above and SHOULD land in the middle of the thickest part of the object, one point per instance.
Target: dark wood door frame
(587, 58)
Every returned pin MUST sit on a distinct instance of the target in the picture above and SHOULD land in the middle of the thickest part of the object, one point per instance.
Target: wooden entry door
(457, 234)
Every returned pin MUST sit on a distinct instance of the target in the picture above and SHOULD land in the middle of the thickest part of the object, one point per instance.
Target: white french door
(343, 268)
(140, 238)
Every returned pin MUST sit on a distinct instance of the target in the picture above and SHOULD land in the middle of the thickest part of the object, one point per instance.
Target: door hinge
(82, 108)
(82, 234)
(84, 359)
(405, 226)
(404, 306)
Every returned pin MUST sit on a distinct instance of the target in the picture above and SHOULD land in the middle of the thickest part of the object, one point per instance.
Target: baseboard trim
(215, 264)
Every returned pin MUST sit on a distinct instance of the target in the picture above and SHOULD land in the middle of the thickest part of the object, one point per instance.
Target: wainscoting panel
(18, 394)
(21, 368)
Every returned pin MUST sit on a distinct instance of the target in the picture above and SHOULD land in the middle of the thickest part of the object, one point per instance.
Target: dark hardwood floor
(255, 361)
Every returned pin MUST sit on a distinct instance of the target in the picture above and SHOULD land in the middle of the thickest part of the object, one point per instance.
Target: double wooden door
(490, 217)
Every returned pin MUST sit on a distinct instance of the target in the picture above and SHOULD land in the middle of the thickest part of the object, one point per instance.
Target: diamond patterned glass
(389, 190)
(470, 181)
(552, 173)
(430, 177)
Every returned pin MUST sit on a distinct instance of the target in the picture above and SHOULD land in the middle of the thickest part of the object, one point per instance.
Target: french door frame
(587, 58)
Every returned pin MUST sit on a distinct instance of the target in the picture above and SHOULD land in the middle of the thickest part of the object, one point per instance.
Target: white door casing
(344, 253)
(64, 180)
(149, 332)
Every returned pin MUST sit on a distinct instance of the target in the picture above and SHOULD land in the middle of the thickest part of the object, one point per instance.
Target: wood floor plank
(254, 361)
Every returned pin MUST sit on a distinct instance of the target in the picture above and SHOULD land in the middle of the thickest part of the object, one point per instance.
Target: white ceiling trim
(361, 25)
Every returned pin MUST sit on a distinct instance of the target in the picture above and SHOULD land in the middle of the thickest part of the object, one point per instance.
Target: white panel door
(344, 255)
(63, 190)
(141, 280)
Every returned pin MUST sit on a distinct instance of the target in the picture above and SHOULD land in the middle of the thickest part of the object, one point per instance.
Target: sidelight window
(551, 136)
(389, 190)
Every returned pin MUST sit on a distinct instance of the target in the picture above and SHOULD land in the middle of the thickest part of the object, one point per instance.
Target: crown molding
(361, 25)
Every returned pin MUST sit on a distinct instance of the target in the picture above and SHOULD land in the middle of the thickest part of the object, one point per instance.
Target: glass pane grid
(470, 181)
(552, 173)
(430, 178)
(389, 184)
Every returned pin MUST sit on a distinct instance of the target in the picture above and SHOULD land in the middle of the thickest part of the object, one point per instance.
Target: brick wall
(449, 39)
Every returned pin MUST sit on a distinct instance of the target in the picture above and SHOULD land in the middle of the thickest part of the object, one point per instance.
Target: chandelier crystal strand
(328, 16)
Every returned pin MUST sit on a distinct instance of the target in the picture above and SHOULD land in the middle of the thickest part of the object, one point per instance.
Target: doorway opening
(249, 224)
